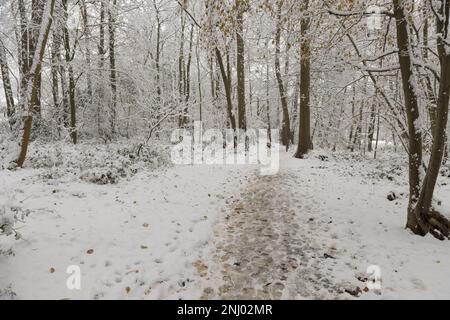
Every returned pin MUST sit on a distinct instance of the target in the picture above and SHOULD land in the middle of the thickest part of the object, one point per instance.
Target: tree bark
(30, 96)
(304, 139)
(371, 129)
(71, 92)
(10, 107)
(24, 63)
(412, 114)
(285, 129)
(87, 35)
(112, 64)
(56, 62)
(158, 51)
(37, 11)
(240, 66)
(436, 223)
(227, 86)
(101, 53)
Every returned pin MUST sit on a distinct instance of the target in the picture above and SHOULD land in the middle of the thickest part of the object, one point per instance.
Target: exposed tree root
(440, 225)
(437, 225)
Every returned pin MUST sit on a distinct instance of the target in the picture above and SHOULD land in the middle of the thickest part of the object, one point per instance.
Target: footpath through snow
(221, 232)
(313, 230)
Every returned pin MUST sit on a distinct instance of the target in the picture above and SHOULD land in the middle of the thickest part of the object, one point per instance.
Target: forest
(350, 99)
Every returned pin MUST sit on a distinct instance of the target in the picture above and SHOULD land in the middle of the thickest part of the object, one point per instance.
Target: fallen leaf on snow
(202, 269)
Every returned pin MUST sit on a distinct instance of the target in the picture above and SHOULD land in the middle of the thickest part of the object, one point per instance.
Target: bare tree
(112, 63)
(285, 129)
(422, 218)
(30, 97)
(304, 139)
(4, 68)
(240, 64)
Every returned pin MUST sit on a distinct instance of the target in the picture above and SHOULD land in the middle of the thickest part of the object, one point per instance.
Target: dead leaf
(202, 269)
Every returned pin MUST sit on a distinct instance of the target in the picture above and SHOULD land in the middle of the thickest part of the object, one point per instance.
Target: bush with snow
(7, 221)
(8, 218)
(94, 163)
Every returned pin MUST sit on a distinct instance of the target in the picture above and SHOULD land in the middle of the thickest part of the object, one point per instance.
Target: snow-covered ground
(310, 231)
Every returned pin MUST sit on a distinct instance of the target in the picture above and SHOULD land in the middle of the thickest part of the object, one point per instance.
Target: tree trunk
(101, 53)
(371, 130)
(240, 66)
(71, 92)
(304, 139)
(412, 113)
(285, 129)
(227, 86)
(30, 96)
(112, 64)
(436, 223)
(10, 108)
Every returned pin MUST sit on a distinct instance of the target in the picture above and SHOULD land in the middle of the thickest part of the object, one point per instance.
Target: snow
(218, 231)
(145, 234)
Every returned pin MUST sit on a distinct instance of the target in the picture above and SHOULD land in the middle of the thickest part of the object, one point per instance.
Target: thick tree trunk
(431, 105)
(436, 223)
(295, 110)
(412, 113)
(187, 86)
(30, 96)
(158, 51)
(71, 90)
(37, 11)
(24, 63)
(269, 125)
(200, 97)
(240, 66)
(182, 75)
(227, 86)
(358, 132)
(304, 138)
(55, 69)
(353, 122)
(87, 35)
